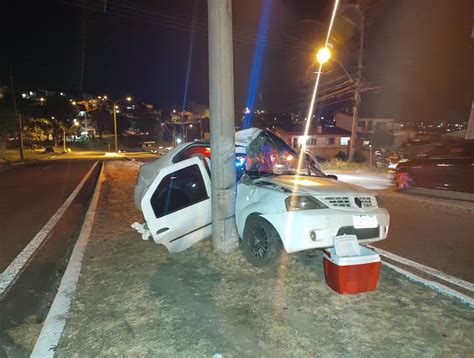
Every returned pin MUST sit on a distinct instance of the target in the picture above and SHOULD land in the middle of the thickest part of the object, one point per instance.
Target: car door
(450, 170)
(177, 205)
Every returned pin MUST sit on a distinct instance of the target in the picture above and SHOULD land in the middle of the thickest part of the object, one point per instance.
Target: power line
(182, 24)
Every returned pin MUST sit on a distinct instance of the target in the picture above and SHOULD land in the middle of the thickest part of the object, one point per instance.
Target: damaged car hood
(311, 185)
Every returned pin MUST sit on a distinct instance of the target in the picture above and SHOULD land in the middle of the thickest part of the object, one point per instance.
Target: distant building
(321, 141)
(366, 125)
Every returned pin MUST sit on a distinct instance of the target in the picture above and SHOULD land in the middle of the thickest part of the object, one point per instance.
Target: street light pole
(115, 129)
(64, 133)
(115, 106)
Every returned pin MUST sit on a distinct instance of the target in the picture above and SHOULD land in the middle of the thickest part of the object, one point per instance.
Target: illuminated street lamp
(323, 55)
(75, 124)
(115, 107)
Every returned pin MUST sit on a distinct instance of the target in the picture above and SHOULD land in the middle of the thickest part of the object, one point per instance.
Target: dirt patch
(135, 299)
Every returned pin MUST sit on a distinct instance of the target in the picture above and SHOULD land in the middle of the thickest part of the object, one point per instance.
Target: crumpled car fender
(256, 200)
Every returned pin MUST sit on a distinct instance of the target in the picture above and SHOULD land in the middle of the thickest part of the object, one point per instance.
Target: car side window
(179, 190)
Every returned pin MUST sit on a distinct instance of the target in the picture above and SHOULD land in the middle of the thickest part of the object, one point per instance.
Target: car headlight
(293, 203)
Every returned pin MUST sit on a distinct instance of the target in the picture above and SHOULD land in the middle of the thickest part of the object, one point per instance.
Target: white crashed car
(277, 205)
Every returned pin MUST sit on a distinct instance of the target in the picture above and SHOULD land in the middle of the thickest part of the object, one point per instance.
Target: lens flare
(257, 63)
(323, 55)
(289, 226)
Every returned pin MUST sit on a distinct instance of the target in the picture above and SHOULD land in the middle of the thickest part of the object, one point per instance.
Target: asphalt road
(366, 180)
(431, 233)
(30, 195)
(427, 229)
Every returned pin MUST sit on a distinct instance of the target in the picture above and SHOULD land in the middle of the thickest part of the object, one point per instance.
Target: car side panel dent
(252, 199)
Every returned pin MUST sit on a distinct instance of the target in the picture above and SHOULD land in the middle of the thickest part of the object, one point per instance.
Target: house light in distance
(302, 139)
(345, 140)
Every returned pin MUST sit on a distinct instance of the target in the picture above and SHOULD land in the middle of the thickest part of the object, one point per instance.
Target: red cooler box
(352, 274)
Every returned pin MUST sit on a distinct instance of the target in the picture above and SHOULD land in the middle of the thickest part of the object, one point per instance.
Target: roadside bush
(359, 157)
(346, 166)
(341, 156)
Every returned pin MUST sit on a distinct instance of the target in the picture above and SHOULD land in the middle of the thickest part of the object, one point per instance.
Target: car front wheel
(261, 243)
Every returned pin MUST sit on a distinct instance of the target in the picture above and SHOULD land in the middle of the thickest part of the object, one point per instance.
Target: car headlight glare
(293, 203)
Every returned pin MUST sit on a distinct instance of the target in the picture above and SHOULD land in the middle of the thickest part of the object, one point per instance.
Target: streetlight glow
(323, 55)
(129, 99)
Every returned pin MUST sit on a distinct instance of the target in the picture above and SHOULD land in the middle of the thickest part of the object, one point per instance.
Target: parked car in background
(278, 204)
(449, 167)
(150, 146)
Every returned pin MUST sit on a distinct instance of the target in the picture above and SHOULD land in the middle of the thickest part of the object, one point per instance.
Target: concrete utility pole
(221, 105)
(357, 89)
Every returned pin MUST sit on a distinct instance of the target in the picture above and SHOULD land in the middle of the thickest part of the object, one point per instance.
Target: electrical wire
(180, 23)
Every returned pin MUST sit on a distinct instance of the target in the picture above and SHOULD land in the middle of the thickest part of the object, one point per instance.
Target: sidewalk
(135, 299)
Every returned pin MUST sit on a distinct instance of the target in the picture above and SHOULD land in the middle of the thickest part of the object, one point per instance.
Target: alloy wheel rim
(259, 245)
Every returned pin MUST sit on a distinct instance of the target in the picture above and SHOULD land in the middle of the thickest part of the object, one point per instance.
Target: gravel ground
(136, 299)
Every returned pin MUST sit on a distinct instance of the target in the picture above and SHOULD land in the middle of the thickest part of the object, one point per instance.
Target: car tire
(261, 243)
(403, 180)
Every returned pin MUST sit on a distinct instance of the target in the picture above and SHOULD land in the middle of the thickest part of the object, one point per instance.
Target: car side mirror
(332, 176)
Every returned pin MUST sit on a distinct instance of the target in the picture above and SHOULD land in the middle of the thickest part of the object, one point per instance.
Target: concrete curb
(469, 287)
(11, 165)
(426, 269)
(56, 320)
(434, 285)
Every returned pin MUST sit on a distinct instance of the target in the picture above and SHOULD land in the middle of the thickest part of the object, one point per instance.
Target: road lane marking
(16, 267)
(56, 320)
(426, 269)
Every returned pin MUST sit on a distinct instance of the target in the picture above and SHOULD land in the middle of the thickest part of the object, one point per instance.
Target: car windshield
(268, 154)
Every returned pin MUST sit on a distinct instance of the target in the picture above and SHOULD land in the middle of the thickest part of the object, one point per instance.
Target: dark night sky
(416, 50)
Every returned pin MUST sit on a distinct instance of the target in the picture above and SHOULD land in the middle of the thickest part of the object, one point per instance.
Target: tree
(58, 107)
(60, 113)
(8, 125)
(102, 120)
(38, 130)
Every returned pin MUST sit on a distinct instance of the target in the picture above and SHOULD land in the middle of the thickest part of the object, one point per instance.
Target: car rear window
(189, 152)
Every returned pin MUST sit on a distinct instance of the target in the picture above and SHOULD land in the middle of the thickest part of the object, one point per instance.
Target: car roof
(242, 139)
